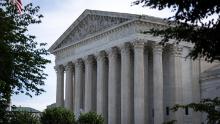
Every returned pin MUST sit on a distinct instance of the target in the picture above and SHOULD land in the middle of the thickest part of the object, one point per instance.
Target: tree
(196, 22)
(21, 57)
(90, 118)
(57, 115)
(209, 106)
(23, 117)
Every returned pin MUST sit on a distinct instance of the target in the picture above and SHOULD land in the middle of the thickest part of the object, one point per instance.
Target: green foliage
(21, 58)
(196, 22)
(90, 118)
(27, 61)
(23, 118)
(57, 115)
(209, 106)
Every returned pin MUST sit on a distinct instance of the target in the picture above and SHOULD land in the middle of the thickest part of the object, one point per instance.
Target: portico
(112, 68)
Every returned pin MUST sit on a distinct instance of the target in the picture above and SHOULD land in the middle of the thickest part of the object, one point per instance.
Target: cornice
(210, 77)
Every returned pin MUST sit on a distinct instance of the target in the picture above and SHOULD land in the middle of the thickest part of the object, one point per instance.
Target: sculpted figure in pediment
(89, 25)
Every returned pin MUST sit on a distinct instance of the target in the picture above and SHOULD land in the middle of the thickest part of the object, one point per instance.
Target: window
(167, 110)
(186, 111)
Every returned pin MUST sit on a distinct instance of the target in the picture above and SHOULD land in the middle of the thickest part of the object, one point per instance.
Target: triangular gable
(90, 25)
(90, 22)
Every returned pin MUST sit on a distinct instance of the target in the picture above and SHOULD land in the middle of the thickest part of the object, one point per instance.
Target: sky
(58, 16)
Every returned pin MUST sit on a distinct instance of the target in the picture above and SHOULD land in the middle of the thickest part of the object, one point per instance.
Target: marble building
(104, 63)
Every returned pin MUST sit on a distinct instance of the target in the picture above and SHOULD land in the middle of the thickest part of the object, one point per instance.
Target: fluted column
(102, 83)
(89, 62)
(196, 97)
(113, 85)
(78, 85)
(126, 112)
(177, 80)
(60, 86)
(158, 84)
(69, 87)
(139, 92)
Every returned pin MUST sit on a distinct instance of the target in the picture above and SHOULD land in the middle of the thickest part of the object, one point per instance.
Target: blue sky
(58, 16)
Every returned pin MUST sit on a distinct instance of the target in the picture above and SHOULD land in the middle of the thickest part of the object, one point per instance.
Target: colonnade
(116, 82)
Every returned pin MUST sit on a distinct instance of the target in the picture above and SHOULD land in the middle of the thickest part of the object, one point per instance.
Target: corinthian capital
(157, 48)
(176, 50)
(59, 68)
(112, 52)
(89, 59)
(125, 48)
(138, 44)
(100, 56)
(69, 66)
(79, 63)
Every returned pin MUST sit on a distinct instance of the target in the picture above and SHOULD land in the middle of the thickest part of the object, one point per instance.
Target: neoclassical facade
(104, 63)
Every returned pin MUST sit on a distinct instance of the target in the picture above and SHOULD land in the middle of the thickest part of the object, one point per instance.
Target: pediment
(88, 26)
(92, 21)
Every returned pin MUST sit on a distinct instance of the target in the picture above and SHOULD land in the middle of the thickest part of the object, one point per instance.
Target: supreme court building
(104, 63)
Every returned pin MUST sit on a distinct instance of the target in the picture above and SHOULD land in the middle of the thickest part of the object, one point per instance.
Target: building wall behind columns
(167, 91)
(73, 87)
(94, 86)
(196, 89)
(82, 102)
(146, 84)
(150, 91)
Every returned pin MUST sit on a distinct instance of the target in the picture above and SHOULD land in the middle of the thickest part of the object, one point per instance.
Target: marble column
(139, 93)
(158, 84)
(60, 86)
(113, 85)
(177, 80)
(196, 97)
(69, 87)
(102, 84)
(89, 63)
(78, 86)
(126, 112)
